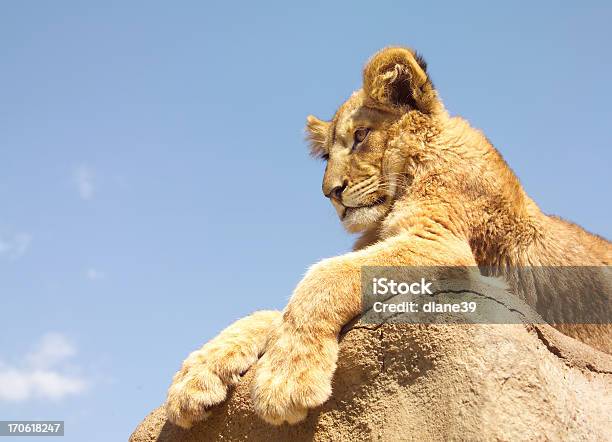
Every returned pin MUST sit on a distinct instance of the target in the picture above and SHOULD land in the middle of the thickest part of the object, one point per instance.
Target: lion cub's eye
(361, 134)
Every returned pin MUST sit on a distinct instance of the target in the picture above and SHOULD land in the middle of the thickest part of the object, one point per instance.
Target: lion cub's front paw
(193, 391)
(293, 376)
(206, 375)
(204, 380)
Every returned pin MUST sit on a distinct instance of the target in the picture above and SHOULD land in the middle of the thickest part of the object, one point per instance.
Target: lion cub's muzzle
(363, 194)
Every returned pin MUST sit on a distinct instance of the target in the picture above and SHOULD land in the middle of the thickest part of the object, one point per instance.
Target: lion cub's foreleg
(296, 370)
(206, 375)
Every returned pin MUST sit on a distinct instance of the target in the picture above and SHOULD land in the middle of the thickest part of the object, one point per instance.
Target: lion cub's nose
(336, 192)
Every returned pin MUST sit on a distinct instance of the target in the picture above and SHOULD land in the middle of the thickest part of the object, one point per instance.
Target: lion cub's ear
(397, 78)
(316, 134)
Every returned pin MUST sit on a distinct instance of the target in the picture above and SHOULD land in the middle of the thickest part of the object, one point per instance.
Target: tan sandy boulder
(400, 382)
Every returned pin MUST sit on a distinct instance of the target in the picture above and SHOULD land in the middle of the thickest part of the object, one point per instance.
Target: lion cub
(424, 189)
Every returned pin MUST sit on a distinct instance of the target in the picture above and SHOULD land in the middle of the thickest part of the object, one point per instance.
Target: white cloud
(84, 179)
(41, 374)
(94, 274)
(19, 386)
(52, 349)
(14, 246)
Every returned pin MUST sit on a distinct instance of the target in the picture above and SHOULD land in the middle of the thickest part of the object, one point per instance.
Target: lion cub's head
(362, 144)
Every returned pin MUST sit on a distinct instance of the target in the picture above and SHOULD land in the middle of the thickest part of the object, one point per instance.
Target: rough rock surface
(398, 382)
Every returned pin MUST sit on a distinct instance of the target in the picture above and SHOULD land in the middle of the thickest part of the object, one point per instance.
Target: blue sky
(155, 186)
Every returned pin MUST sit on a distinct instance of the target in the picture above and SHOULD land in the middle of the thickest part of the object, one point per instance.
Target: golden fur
(423, 188)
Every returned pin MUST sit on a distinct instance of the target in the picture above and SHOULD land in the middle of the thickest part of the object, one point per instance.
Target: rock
(398, 382)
